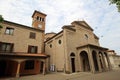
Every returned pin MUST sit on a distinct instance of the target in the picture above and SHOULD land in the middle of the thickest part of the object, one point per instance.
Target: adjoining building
(22, 47)
(114, 59)
(76, 49)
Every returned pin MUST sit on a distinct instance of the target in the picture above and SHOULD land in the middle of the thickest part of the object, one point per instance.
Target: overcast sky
(102, 17)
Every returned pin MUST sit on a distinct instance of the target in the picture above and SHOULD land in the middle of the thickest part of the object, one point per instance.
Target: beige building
(114, 59)
(22, 47)
(76, 49)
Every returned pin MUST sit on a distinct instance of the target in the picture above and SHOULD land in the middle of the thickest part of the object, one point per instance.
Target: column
(104, 64)
(18, 70)
(108, 60)
(44, 66)
(91, 63)
(99, 65)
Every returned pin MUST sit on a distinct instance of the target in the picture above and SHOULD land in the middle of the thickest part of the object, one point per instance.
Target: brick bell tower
(38, 20)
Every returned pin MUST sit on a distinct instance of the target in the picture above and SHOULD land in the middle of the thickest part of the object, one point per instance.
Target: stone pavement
(111, 75)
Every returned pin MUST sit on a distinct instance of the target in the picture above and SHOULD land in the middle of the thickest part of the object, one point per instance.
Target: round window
(59, 41)
(50, 45)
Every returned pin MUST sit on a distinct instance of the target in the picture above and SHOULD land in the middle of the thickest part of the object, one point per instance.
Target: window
(50, 45)
(37, 18)
(42, 19)
(29, 64)
(59, 42)
(9, 31)
(32, 49)
(6, 47)
(32, 35)
(86, 36)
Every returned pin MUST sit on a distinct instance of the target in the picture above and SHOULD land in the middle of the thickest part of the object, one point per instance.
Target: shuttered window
(9, 31)
(32, 35)
(6, 47)
(32, 49)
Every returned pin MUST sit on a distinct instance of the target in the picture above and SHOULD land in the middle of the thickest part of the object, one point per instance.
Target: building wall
(20, 38)
(56, 52)
(36, 69)
(114, 59)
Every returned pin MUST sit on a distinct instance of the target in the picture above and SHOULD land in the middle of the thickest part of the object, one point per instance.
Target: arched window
(72, 54)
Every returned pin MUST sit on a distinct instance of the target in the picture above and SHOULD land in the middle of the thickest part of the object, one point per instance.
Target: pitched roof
(38, 12)
(83, 24)
(54, 36)
(70, 27)
(91, 45)
(22, 26)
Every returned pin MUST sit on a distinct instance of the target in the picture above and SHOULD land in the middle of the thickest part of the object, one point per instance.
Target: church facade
(76, 49)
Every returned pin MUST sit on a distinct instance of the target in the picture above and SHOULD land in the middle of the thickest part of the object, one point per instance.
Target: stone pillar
(44, 68)
(104, 63)
(108, 61)
(18, 70)
(91, 63)
(98, 61)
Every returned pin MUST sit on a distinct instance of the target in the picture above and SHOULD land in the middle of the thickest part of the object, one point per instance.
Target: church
(76, 49)
(26, 50)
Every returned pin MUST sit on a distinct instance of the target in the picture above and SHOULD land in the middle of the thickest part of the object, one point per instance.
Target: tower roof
(38, 12)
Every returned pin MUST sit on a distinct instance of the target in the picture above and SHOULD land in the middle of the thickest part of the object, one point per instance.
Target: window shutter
(36, 49)
(12, 45)
(29, 49)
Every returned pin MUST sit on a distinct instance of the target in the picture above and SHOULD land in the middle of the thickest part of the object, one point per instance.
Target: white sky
(102, 17)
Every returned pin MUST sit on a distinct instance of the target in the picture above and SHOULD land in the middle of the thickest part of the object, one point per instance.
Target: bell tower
(38, 20)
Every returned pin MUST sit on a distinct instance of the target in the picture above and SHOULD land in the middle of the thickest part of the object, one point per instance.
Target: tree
(1, 20)
(117, 2)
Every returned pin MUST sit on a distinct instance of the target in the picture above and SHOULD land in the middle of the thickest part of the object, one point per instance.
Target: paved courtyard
(111, 75)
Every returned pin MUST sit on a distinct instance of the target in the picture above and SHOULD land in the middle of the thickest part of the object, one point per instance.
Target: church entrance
(94, 55)
(72, 62)
(84, 61)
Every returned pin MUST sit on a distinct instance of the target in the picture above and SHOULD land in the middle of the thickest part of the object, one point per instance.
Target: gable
(83, 24)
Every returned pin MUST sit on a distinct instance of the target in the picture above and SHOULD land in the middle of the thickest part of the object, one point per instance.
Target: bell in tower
(38, 20)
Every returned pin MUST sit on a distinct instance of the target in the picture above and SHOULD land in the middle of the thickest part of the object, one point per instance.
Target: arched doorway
(84, 61)
(94, 55)
(72, 55)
